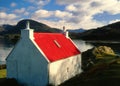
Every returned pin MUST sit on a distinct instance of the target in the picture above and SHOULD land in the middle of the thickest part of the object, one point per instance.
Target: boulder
(103, 51)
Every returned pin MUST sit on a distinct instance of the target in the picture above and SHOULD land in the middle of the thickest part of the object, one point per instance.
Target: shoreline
(101, 41)
(2, 62)
(2, 66)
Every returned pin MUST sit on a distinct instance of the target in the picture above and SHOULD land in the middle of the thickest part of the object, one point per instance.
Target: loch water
(6, 48)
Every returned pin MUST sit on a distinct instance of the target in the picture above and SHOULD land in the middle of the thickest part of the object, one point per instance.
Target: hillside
(11, 33)
(37, 26)
(108, 32)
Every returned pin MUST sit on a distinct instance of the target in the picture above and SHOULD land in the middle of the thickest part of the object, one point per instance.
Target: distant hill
(108, 32)
(77, 31)
(1, 29)
(11, 30)
(74, 34)
(11, 33)
(38, 27)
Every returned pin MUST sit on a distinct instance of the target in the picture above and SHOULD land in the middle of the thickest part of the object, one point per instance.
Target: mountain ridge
(108, 32)
(37, 26)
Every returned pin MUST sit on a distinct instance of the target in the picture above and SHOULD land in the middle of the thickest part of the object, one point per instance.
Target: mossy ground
(103, 74)
(2, 73)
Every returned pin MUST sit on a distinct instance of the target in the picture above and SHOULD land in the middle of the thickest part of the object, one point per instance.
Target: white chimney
(63, 28)
(65, 32)
(27, 33)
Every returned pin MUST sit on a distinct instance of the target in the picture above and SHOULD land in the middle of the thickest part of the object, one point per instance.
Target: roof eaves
(41, 51)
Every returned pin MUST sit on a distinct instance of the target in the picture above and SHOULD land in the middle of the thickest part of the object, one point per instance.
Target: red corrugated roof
(55, 46)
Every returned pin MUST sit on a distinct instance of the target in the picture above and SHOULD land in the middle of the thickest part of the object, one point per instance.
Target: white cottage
(39, 59)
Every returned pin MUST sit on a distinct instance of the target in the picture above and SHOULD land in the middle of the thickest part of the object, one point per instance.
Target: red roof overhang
(55, 46)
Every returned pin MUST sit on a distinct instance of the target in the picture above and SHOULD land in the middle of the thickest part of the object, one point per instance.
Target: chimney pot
(65, 32)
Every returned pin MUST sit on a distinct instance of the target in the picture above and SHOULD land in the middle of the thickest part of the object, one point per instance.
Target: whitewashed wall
(26, 64)
(65, 69)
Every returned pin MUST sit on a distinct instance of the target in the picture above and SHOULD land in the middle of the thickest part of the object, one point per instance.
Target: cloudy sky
(73, 14)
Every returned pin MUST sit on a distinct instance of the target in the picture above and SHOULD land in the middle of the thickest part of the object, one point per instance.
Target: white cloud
(26, 13)
(3, 15)
(13, 4)
(68, 19)
(71, 8)
(110, 6)
(113, 21)
(7, 18)
(41, 14)
(30, 8)
(84, 11)
(39, 2)
(63, 2)
(59, 24)
(62, 14)
(76, 14)
(56, 14)
(19, 11)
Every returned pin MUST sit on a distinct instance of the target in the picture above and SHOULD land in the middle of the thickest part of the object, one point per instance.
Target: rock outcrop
(103, 51)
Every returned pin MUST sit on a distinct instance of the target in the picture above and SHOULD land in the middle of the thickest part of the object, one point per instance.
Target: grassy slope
(100, 75)
(3, 73)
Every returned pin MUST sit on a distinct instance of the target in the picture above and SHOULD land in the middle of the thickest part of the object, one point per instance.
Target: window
(57, 44)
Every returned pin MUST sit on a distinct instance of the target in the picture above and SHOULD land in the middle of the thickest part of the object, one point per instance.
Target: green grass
(2, 73)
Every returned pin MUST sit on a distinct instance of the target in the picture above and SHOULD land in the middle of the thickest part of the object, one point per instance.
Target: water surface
(5, 49)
